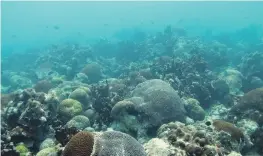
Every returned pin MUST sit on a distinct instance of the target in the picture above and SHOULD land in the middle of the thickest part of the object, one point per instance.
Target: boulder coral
(234, 80)
(251, 100)
(154, 103)
(43, 86)
(69, 108)
(93, 71)
(250, 105)
(79, 121)
(82, 95)
(63, 90)
(194, 110)
(102, 144)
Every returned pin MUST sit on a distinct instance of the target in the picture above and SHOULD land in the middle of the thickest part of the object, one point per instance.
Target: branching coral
(26, 118)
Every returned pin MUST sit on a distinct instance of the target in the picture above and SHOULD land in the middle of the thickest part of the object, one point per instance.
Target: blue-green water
(165, 78)
(28, 25)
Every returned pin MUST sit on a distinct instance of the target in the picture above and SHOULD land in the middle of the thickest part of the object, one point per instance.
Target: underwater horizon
(31, 24)
(131, 78)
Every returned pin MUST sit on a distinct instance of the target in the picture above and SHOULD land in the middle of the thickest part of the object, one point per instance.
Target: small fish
(180, 21)
(56, 27)
(13, 36)
(105, 24)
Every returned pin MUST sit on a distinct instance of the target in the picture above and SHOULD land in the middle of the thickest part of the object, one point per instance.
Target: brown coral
(43, 86)
(235, 132)
(197, 139)
(93, 71)
(249, 106)
(80, 144)
(109, 143)
(251, 100)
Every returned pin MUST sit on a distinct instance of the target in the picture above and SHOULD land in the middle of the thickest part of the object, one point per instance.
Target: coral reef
(27, 119)
(178, 94)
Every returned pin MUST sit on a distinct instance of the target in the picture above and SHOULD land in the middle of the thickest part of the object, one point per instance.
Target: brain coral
(251, 100)
(63, 90)
(250, 106)
(80, 144)
(194, 110)
(93, 71)
(154, 102)
(69, 108)
(110, 143)
(79, 121)
(117, 143)
(81, 94)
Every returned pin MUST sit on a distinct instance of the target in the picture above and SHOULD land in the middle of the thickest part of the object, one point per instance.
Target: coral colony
(167, 94)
